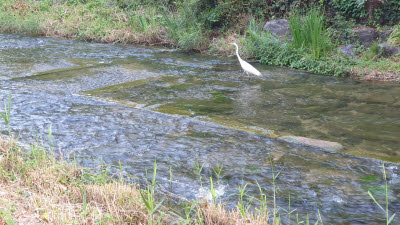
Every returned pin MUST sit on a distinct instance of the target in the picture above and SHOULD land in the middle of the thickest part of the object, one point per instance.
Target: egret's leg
(248, 76)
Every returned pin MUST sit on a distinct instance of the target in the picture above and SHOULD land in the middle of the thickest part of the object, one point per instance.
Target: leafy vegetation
(271, 51)
(350, 8)
(395, 36)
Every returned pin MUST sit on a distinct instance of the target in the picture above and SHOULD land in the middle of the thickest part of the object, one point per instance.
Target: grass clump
(19, 17)
(309, 32)
(100, 21)
(183, 27)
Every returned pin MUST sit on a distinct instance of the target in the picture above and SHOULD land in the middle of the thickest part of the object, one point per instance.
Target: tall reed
(309, 32)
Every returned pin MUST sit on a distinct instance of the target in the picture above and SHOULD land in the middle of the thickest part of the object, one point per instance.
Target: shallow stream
(117, 103)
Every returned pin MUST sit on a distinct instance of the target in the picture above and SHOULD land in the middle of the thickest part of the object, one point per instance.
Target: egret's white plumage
(246, 66)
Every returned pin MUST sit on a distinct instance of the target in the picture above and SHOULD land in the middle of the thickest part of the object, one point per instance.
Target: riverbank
(37, 188)
(181, 26)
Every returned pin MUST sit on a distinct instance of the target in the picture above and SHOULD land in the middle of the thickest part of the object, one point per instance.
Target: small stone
(348, 50)
(388, 50)
(326, 145)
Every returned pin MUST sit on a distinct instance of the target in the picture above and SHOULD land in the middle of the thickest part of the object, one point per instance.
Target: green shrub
(391, 9)
(340, 30)
(309, 32)
(350, 8)
(387, 13)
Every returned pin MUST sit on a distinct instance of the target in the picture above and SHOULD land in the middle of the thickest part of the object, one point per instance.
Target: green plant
(350, 8)
(289, 212)
(198, 170)
(148, 195)
(391, 9)
(263, 209)
(273, 182)
(6, 114)
(340, 29)
(309, 32)
(6, 217)
(319, 218)
(218, 171)
(386, 209)
(243, 206)
(184, 27)
(143, 23)
(373, 52)
(189, 207)
(394, 37)
(271, 51)
(212, 189)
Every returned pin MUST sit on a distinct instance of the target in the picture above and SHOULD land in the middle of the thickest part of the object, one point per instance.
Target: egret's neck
(237, 52)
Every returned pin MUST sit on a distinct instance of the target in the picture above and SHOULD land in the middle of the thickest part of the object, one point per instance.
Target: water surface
(135, 105)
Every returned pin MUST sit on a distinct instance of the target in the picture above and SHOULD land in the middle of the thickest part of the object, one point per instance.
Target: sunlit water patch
(363, 117)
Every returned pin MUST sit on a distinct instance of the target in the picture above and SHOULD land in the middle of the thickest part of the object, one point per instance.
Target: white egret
(246, 66)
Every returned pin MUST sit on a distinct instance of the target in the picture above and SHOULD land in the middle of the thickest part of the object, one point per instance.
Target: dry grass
(212, 214)
(39, 189)
(381, 69)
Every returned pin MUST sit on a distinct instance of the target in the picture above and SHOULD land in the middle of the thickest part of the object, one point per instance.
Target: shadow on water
(134, 105)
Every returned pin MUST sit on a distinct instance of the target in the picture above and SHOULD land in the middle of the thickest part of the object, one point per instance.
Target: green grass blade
(391, 218)
(157, 206)
(154, 173)
(4, 117)
(84, 200)
(375, 201)
(145, 201)
(320, 218)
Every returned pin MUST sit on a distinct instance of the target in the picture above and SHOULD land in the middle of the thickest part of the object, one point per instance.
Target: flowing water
(129, 105)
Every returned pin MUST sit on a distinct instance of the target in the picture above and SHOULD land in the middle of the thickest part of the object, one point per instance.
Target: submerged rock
(279, 28)
(326, 145)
